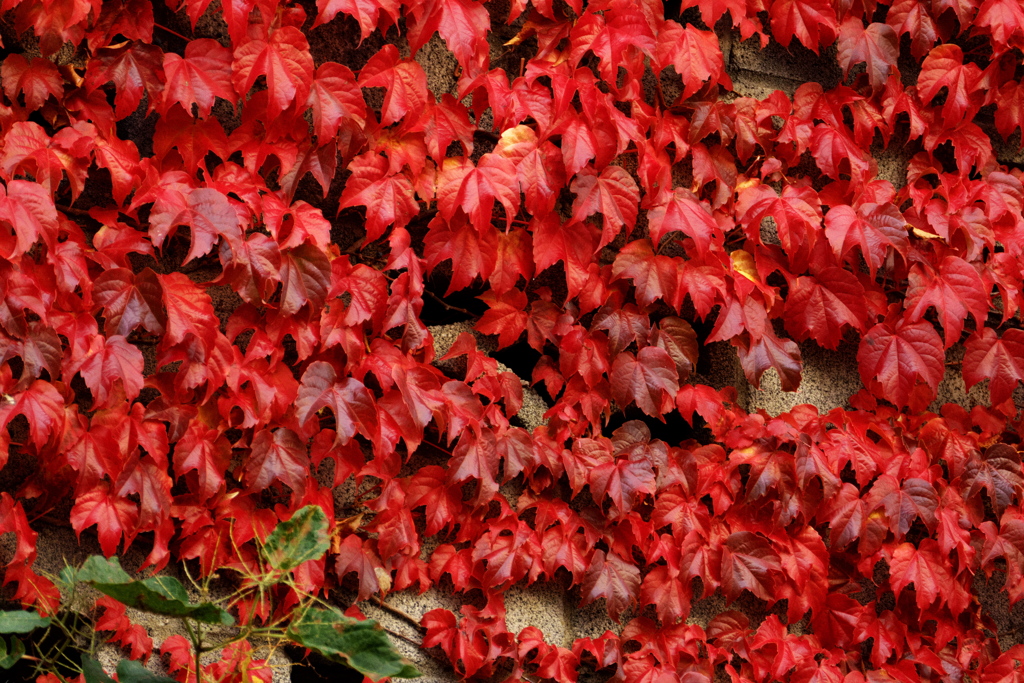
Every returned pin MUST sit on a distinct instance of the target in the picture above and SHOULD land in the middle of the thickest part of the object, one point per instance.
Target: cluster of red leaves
(760, 218)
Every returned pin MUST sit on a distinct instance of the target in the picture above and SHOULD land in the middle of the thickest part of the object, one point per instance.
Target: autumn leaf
(113, 516)
(198, 78)
(189, 310)
(612, 193)
(404, 81)
(875, 46)
(650, 379)
(955, 290)
(997, 359)
(612, 578)
(134, 68)
(824, 305)
(348, 399)
(277, 455)
(389, 198)
(944, 68)
(896, 356)
(749, 563)
(35, 80)
(43, 407)
(283, 59)
(925, 568)
(812, 23)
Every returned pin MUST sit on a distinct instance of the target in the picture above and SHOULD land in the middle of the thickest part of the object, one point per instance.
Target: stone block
(544, 605)
(777, 67)
(829, 379)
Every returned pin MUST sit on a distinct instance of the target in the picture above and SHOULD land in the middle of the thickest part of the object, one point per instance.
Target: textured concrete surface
(829, 379)
(758, 73)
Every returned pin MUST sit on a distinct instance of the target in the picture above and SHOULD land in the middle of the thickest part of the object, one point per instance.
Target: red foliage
(601, 201)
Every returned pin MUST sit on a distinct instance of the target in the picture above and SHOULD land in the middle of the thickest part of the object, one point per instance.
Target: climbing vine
(224, 248)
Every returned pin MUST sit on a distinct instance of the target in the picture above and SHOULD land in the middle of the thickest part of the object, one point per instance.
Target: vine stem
(402, 614)
(71, 211)
(171, 31)
(447, 305)
(411, 641)
(197, 646)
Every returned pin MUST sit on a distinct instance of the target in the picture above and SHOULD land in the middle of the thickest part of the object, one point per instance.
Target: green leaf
(302, 538)
(21, 621)
(159, 594)
(98, 569)
(94, 672)
(12, 657)
(129, 671)
(68, 576)
(363, 645)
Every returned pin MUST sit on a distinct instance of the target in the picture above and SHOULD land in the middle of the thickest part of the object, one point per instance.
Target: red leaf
(650, 379)
(463, 24)
(201, 76)
(31, 214)
(28, 149)
(1004, 21)
(812, 22)
(283, 59)
(612, 578)
(388, 198)
(821, 306)
(132, 636)
(769, 351)
(208, 453)
(872, 227)
(998, 473)
(797, 214)
(129, 301)
(925, 567)
(277, 455)
(505, 316)
(358, 555)
(133, 68)
(539, 167)
(571, 243)
(749, 563)
(113, 516)
(41, 404)
(955, 290)
(106, 361)
(514, 259)
(695, 54)
(474, 250)
(914, 18)
(666, 590)
(189, 311)
(876, 46)
(474, 189)
(365, 12)
(654, 276)
(680, 210)
(36, 80)
(625, 481)
(305, 278)
(404, 81)
(999, 360)
(612, 193)
(896, 356)
(944, 68)
(336, 100)
(353, 407)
